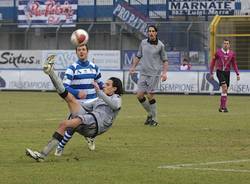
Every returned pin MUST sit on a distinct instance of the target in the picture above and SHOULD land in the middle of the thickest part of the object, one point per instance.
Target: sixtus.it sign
(203, 7)
(20, 59)
(47, 13)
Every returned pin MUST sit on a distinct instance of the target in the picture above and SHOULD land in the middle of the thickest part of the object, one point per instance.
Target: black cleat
(223, 109)
(153, 123)
(148, 120)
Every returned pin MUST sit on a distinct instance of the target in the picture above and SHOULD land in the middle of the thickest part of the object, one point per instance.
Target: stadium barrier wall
(178, 82)
(193, 82)
(22, 70)
(37, 80)
(105, 59)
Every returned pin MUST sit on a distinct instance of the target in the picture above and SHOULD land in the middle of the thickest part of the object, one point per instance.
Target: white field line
(190, 166)
(206, 163)
(211, 169)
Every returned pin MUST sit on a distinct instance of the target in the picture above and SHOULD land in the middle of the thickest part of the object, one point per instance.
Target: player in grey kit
(89, 124)
(154, 65)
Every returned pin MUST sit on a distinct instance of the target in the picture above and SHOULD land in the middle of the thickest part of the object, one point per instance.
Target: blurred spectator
(185, 65)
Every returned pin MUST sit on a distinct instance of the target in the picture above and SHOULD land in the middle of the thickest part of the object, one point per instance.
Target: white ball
(79, 37)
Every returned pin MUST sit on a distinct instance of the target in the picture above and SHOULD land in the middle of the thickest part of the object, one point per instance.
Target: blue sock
(67, 136)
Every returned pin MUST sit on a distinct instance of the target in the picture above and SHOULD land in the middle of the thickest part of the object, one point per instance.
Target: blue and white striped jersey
(79, 76)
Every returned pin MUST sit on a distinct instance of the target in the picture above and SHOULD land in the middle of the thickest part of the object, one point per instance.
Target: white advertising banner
(64, 58)
(33, 59)
(25, 80)
(206, 85)
(6, 78)
(105, 59)
(37, 80)
(6, 3)
(20, 59)
(178, 82)
(107, 74)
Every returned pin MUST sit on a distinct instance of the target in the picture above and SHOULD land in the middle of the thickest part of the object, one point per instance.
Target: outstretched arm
(114, 103)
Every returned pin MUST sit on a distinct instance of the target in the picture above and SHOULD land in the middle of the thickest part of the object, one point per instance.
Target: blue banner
(127, 58)
(174, 59)
(131, 16)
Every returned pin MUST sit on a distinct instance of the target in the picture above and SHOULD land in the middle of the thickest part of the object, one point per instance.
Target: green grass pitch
(191, 131)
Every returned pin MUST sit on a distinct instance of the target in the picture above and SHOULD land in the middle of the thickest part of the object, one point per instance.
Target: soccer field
(193, 144)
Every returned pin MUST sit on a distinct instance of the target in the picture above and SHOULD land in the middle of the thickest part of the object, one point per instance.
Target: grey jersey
(105, 110)
(151, 57)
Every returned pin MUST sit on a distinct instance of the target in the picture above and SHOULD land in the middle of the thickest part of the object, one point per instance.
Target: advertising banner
(206, 85)
(6, 76)
(37, 80)
(105, 59)
(131, 16)
(202, 7)
(47, 13)
(34, 59)
(178, 82)
(174, 59)
(20, 59)
(127, 59)
(25, 80)
(64, 58)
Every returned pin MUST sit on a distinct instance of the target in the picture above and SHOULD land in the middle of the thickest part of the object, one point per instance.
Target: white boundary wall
(193, 82)
(36, 80)
(178, 82)
(22, 70)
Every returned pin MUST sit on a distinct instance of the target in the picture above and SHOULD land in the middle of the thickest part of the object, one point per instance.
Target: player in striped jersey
(89, 124)
(80, 75)
(223, 60)
(78, 80)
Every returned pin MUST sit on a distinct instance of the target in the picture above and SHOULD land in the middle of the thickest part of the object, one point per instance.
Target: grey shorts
(88, 127)
(149, 84)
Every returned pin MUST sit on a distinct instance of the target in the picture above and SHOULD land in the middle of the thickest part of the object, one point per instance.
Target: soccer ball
(79, 37)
